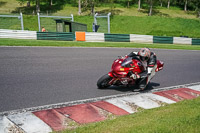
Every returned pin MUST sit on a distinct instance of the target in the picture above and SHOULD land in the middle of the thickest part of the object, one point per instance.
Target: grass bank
(19, 42)
(144, 25)
(158, 26)
(182, 117)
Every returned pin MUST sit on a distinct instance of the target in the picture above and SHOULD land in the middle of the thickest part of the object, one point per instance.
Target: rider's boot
(143, 83)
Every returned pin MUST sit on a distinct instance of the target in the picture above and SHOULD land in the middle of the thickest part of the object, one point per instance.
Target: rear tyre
(103, 82)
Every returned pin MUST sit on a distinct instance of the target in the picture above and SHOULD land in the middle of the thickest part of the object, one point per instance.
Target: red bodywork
(160, 65)
(120, 72)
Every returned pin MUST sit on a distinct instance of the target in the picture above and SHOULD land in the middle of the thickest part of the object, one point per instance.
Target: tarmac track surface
(36, 76)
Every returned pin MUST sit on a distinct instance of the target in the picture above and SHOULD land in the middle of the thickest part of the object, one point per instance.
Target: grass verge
(19, 42)
(182, 117)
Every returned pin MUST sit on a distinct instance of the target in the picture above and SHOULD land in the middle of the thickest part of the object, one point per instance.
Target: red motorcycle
(120, 72)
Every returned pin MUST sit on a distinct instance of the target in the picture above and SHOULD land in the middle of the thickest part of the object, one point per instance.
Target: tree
(168, 4)
(197, 6)
(28, 4)
(21, 2)
(79, 7)
(151, 7)
(36, 1)
(139, 5)
(128, 3)
(50, 2)
(90, 4)
(185, 5)
(37, 6)
(161, 3)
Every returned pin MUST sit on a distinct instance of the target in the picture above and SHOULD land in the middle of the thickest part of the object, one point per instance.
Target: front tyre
(103, 82)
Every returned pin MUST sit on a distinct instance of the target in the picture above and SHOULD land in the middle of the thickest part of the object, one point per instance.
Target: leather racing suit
(150, 66)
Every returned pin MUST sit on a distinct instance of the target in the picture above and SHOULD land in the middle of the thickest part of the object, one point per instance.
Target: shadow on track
(134, 88)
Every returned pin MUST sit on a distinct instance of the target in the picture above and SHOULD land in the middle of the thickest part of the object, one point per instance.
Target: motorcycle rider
(149, 62)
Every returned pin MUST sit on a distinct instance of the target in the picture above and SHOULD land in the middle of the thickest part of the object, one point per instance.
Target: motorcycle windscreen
(127, 62)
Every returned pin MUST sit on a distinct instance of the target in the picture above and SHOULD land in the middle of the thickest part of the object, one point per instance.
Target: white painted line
(30, 123)
(64, 104)
(196, 87)
(159, 98)
(1, 124)
(175, 87)
(146, 101)
(121, 104)
(6, 126)
(142, 101)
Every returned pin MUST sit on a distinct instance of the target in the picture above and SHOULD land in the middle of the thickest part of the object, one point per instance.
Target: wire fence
(36, 22)
(10, 23)
(14, 22)
(103, 21)
(44, 20)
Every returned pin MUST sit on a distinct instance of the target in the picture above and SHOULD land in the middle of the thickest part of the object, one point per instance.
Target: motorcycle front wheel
(103, 82)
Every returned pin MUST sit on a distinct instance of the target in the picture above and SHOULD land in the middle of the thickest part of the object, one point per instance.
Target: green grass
(10, 23)
(19, 42)
(182, 117)
(30, 22)
(7, 6)
(158, 26)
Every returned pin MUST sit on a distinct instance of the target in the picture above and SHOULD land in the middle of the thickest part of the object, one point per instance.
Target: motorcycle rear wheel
(103, 82)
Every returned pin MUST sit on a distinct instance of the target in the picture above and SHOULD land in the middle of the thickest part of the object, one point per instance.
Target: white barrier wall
(141, 38)
(18, 34)
(182, 40)
(94, 37)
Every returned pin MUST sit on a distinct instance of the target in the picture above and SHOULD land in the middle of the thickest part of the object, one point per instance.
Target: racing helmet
(144, 54)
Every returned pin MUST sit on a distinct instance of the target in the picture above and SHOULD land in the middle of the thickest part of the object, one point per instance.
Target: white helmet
(144, 54)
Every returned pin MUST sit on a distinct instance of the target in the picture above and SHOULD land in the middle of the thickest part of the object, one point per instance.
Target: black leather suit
(151, 62)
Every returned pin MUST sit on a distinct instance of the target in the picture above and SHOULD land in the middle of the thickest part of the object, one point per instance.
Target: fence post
(95, 19)
(39, 20)
(22, 23)
(109, 22)
(72, 17)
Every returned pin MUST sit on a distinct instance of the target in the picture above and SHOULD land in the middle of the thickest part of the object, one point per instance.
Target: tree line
(192, 5)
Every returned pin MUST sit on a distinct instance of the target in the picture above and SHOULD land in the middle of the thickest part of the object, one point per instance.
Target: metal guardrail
(15, 16)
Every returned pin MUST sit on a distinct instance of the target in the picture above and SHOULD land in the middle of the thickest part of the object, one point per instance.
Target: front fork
(111, 74)
(113, 80)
